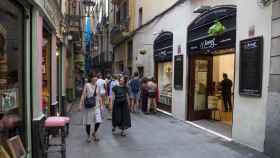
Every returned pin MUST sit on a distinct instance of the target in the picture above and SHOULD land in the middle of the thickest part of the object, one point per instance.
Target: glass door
(200, 80)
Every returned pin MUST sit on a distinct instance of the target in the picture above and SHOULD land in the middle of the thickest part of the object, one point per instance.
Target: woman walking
(91, 108)
(152, 94)
(121, 114)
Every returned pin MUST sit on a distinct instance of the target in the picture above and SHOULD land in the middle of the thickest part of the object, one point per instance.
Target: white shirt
(101, 86)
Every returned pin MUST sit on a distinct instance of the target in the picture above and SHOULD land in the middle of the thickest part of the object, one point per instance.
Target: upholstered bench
(56, 123)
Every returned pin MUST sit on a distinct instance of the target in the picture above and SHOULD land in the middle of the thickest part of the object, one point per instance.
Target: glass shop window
(11, 72)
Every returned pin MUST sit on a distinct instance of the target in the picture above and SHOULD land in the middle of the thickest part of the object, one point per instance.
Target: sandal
(113, 129)
(95, 138)
(123, 134)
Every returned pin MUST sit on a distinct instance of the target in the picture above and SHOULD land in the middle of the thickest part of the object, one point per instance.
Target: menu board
(251, 66)
(178, 72)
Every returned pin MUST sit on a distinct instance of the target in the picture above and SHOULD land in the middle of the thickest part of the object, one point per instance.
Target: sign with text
(178, 72)
(212, 43)
(251, 67)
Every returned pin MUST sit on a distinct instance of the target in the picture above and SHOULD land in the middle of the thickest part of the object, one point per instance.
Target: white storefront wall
(249, 113)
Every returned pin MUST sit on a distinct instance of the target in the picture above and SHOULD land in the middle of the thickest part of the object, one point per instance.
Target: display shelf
(165, 99)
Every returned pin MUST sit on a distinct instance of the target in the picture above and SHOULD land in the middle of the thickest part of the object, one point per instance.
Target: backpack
(135, 85)
(90, 102)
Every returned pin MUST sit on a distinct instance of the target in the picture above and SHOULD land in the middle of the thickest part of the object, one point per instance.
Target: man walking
(226, 92)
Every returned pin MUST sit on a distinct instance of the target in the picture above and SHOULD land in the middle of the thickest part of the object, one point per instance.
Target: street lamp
(88, 7)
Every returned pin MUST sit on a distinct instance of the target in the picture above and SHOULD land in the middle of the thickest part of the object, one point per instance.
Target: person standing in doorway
(226, 86)
(121, 115)
(134, 86)
(90, 106)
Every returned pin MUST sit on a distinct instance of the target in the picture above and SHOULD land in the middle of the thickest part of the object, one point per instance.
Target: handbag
(90, 102)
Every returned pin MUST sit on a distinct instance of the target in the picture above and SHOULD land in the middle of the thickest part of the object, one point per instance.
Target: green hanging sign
(216, 29)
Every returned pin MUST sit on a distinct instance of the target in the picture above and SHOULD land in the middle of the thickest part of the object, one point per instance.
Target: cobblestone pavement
(152, 136)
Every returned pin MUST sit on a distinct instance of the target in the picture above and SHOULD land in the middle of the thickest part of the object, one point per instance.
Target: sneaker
(94, 137)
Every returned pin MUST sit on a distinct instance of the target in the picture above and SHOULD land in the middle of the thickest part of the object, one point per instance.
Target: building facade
(15, 115)
(123, 24)
(272, 139)
(191, 79)
(102, 48)
(33, 47)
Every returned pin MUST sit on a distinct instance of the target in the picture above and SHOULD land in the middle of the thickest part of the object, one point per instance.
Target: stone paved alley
(152, 136)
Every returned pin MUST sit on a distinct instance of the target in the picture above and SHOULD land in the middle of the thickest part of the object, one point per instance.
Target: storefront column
(28, 95)
(36, 83)
(63, 78)
(37, 40)
(54, 69)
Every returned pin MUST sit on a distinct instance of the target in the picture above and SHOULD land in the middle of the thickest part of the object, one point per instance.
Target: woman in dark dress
(121, 114)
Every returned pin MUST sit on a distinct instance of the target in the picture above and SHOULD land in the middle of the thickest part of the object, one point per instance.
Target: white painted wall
(145, 39)
(250, 113)
(151, 8)
(176, 21)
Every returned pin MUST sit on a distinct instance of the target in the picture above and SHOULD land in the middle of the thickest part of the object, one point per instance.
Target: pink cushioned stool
(55, 123)
(67, 120)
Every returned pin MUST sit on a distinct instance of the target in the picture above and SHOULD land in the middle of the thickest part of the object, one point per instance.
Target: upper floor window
(140, 17)
(125, 10)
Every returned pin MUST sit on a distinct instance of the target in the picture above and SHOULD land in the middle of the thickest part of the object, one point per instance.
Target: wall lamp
(202, 9)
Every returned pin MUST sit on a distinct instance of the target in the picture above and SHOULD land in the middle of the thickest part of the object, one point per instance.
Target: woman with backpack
(90, 106)
(121, 114)
(134, 88)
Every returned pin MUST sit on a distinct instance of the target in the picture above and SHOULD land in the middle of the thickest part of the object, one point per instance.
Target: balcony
(120, 31)
(104, 58)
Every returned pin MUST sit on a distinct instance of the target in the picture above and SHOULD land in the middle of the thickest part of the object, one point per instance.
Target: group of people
(122, 94)
(143, 94)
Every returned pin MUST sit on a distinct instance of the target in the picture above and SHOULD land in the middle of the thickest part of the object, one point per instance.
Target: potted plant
(216, 29)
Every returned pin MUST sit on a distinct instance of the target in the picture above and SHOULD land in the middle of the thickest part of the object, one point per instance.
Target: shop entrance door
(199, 85)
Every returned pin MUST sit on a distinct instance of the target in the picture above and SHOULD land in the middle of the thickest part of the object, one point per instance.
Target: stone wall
(272, 141)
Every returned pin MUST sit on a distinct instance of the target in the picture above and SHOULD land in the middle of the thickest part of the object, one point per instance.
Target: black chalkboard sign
(178, 72)
(251, 67)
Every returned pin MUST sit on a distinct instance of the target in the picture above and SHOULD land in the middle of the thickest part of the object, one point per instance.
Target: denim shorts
(135, 96)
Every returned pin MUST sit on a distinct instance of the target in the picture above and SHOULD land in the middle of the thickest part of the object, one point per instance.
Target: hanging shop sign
(178, 73)
(163, 55)
(212, 43)
(251, 67)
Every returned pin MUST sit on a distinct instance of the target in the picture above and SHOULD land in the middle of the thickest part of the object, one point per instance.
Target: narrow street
(152, 136)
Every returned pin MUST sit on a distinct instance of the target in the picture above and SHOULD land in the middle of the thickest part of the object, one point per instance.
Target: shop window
(165, 82)
(12, 109)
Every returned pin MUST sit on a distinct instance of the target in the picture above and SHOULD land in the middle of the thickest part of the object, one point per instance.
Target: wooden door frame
(191, 114)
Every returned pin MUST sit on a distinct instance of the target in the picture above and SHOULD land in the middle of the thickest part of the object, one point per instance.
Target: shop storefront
(163, 52)
(13, 104)
(46, 71)
(211, 58)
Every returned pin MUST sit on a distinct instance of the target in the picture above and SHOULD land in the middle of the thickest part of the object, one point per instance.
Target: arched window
(163, 47)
